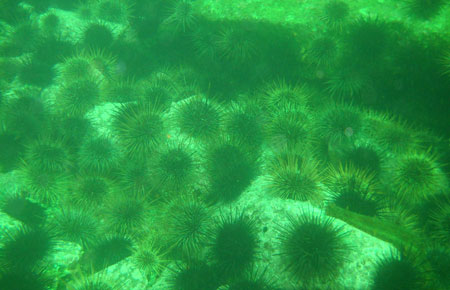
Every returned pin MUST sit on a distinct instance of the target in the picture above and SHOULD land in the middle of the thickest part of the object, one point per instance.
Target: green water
(206, 145)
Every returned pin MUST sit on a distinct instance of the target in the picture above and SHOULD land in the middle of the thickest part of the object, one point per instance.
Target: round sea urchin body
(234, 245)
(416, 177)
(139, 128)
(313, 248)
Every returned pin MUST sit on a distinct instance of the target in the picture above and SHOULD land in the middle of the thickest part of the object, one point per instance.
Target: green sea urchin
(398, 271)
(237, 44)
(193, 276)
(175, 167)
(199, 118)
(47, 187)
(234, 245)
(98, 155)
(440, 223)
(335, 13)
(340, 123)
(26, 116)
(97, 36)
(75, 225)
(182, 16)
(47, 154)
(322, 51)
(416, 177)
(425, 9)
(368, 39)
(189, 222)
(282, 95)
(25, 247)
(230, 169)
(117, 11)
(364, 157)
(150, 259)
(126, 215)
(355, 190)
(295, 177)
(312, 247)
(245, 125)
(90, 190)
(25, 279)
(139, 128)
(289, 130)
(137, 179)
(77, 97)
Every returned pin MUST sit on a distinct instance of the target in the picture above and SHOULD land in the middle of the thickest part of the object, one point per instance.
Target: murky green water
(205, 145)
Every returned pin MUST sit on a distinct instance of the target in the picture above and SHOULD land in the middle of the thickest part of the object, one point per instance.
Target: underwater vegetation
(196, 145)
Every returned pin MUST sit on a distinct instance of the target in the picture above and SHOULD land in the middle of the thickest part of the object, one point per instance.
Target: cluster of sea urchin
(144, 133)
